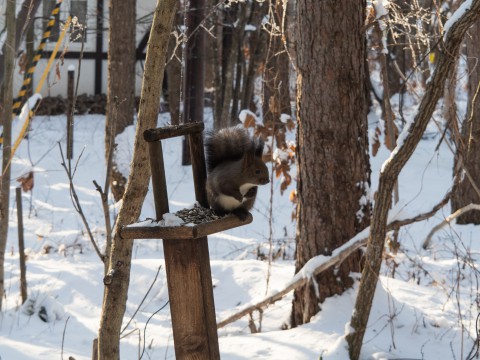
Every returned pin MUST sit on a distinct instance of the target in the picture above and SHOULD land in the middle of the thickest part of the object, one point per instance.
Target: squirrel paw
(252, 192)
(241, 213)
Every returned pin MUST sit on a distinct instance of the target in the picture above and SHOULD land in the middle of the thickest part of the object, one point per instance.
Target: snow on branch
(447, 221)
(320, 263)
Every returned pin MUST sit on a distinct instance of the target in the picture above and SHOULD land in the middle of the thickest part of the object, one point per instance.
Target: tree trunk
(230, 57)
(25, 20)
(332, 148)
(389, 175)
(7, 138)
(468, 147)
(118, 277)
(121, 81)
(173, 71)
(194, 80)
(218, 75)
(276, 94)
(256, 49)
(230, 35)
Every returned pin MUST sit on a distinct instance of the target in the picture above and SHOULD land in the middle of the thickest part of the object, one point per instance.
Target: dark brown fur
(235, 168)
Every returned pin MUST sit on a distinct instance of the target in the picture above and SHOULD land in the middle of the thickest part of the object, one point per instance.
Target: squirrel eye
(257, 171)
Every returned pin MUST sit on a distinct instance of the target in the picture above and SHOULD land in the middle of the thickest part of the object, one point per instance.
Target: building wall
(54, 86)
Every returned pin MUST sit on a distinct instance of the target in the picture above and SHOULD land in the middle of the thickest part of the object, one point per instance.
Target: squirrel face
(255, 170)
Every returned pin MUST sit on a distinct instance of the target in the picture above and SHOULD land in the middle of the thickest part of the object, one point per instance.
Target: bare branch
(77, 206)
(447, 221)
(338, 256)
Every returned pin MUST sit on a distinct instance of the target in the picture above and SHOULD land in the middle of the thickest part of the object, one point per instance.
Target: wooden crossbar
(187, 262)
(192, 232)
(171, 131)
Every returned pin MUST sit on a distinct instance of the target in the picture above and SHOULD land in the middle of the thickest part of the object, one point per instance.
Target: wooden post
(21, 245)
(199, 170)
(99, 49)
(189, 278)
(70, 110)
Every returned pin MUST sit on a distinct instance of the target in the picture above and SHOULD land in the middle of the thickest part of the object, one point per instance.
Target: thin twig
(76, 204)
(146, 324)
(143, 300)
(63, 335)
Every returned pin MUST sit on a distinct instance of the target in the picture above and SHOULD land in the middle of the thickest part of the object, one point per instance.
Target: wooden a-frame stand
(186, 254)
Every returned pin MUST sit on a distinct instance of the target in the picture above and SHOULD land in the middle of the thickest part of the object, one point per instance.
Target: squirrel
(234, 169)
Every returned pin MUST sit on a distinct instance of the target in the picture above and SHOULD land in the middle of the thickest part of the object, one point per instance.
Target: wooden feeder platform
(187, 262)
(187, 231)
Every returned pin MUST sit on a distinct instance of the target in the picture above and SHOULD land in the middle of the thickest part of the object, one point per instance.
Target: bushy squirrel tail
(229, 144)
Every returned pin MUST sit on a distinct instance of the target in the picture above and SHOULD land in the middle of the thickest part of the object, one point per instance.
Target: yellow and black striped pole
(27, 82)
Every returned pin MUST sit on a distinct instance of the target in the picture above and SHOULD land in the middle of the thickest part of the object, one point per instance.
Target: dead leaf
(57, 71)
(22, 63)
(293, 196)
(26, 181)
(290, 124)
(249, 121)
(376, 142)
(388, 142)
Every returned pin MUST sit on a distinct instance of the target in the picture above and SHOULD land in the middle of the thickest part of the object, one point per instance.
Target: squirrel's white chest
(245, 187)
(229, 202)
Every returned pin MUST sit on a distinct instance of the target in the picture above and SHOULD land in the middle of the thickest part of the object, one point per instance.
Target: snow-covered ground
(425, 307)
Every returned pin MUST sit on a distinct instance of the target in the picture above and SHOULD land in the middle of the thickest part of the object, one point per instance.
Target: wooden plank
(184, 262)
(172, 131)
(207, 298)
(183, 232)
(159, 183)
(199, 170)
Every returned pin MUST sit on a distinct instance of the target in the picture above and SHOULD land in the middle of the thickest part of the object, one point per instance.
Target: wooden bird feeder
(187, 260)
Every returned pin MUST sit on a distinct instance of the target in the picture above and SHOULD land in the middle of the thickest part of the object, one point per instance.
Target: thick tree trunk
(7, 138)
(118, 277)
(121, 81)
(468, 147)
(332, 149)
(389, 175)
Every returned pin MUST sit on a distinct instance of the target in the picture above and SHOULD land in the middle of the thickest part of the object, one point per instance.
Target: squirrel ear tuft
(248, 159)
(259, 147)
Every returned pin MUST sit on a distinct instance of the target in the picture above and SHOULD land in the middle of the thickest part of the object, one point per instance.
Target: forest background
(383, 103)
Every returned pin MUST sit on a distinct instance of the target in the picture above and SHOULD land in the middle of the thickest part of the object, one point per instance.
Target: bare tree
(7, 137)
(276, 94)
(25, 20)
(392, 167)
(118, 277)
(173, 72)
(467, 164)
(121, 81)
(332, 149)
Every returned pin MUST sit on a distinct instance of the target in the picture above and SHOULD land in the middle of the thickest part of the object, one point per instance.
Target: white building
(94, 14)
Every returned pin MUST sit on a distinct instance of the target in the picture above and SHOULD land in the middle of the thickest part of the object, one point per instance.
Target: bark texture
(332, 149)
(25, 20)
(7, 138)
(276, 94)
(389, 175)
(468, 147)
(121, 80)
(118, 277)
